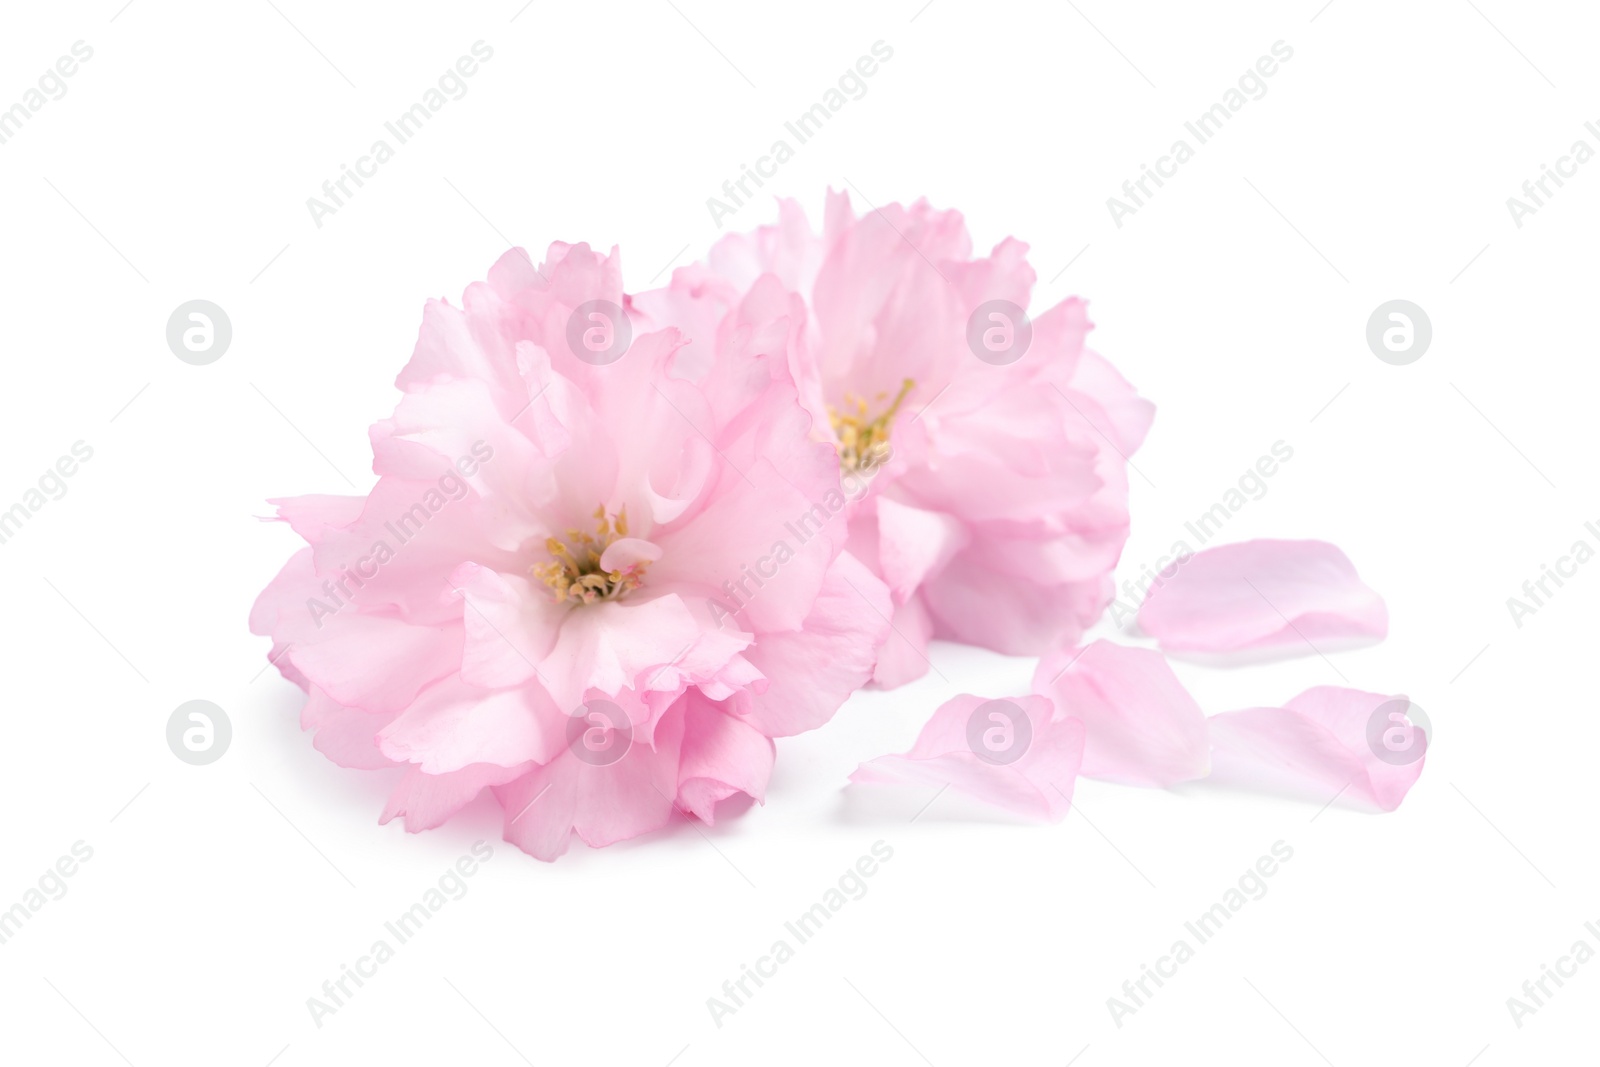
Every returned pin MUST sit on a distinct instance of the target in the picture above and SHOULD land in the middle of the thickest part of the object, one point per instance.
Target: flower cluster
(619, 543)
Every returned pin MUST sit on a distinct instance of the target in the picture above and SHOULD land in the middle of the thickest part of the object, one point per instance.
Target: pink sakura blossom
(597, 577)
(984, 455)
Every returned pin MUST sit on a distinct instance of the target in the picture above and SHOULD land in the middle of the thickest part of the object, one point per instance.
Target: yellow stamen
(574, 573)
(864, 442)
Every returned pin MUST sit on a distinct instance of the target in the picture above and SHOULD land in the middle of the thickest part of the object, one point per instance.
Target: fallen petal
(1262, 594)
(1327, 742)
(1013, 753)
(1141, 726)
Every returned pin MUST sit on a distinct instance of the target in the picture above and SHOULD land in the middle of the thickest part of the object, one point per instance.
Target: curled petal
(1363, 748)
(1014, 754)
(722, 755)
(1262, 594)
(1141, 726)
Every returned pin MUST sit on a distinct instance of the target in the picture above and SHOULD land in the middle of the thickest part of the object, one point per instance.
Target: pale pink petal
(722, 755)
(626, 552)
(453, 724)
(602, 804)
(1141, 726)
(427, 800)
(1365, 748)
(376, 662)
(811, 671)
(1117, 410)
(510, 625)
(976, 603)
(914, 543)
(903, 656)
(1262, 594)
(347, 736)
(313, 516)
(1013, 753)
(612, 646)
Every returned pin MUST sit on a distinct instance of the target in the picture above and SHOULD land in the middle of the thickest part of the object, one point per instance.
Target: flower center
(863, 441)
(574, 572)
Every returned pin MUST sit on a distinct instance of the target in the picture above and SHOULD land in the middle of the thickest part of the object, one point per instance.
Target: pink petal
(347, 736)
(375, 662)
(453, 724)
(427, 800)
(914, 543)
(626, 552)
(1326, 742)
(903, 656)
(1141, 726)
(974, 603)
(722, 755)
(602, 804)
(510, 623)
(1262, 594)
(1014, 754)
(811, 671)
(614, 645)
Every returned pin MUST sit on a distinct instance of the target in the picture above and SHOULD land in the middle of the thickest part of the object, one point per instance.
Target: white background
(1376, 167)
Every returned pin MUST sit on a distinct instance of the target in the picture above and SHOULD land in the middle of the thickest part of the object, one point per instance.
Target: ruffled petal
(1141, 725)
(428, 800)
(603, 804)
(722, 755)
(811, 671)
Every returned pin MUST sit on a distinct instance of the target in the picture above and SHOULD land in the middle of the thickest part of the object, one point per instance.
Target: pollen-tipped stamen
(863, 441)
(574, 572)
